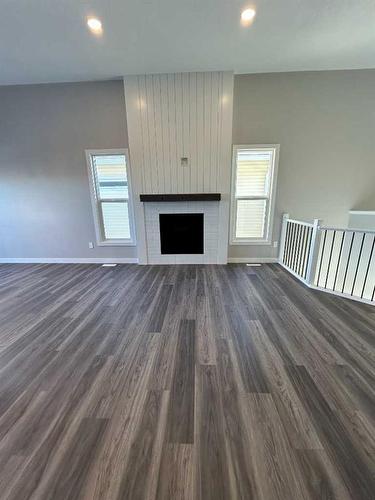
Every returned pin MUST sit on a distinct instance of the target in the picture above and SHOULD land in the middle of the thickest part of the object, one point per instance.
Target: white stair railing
(335, 260)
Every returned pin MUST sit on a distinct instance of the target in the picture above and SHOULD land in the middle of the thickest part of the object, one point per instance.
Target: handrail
(294, 221)
(350, 230)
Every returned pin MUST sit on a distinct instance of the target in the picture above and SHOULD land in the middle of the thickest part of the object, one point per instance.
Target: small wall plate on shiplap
(109, 265)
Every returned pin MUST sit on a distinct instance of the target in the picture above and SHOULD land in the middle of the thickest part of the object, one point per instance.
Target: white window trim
(99, 229)
(272, 196)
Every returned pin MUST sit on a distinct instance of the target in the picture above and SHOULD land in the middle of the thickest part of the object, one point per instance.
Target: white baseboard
(252, 260)
(343, 295)
(115, 260)
(68, 260)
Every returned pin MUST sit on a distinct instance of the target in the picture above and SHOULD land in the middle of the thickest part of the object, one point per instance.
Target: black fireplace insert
(181, 233)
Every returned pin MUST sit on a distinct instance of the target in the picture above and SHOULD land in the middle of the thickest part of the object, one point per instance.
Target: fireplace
(181, 233)
(183, 229)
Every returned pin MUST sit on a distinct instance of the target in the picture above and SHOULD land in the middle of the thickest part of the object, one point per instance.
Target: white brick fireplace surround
(210, 210)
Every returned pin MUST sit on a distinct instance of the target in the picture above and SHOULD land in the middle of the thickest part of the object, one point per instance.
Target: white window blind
(112, 210)
(251, 193)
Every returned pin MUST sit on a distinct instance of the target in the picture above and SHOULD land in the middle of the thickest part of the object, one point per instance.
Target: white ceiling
(47, 40)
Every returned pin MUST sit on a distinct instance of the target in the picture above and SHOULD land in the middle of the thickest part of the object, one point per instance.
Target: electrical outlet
(91, 244)
(275, 244)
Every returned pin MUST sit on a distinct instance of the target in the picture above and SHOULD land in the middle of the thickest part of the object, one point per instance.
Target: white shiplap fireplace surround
(180, 135)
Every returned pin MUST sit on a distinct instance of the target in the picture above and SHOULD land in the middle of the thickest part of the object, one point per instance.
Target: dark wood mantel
(181, 197)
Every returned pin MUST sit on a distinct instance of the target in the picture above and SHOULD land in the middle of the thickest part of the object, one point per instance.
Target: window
(253, 187)
(110, 195)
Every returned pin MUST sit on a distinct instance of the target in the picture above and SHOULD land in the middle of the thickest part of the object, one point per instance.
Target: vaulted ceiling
(48, 40)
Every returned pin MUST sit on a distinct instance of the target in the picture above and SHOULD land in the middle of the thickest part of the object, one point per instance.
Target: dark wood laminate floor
(182, 382)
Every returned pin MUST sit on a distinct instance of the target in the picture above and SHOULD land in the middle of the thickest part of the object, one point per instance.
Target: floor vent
(253, 265)
(109, 265)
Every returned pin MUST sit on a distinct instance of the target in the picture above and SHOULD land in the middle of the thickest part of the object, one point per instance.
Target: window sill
(250, 242)
(116, 243)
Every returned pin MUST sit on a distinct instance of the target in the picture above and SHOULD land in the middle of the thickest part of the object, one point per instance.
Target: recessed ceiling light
(95, 25)
(247, 16)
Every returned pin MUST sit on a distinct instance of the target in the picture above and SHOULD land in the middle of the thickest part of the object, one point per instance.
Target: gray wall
(325, 125)
(45, 208)
(324, 122)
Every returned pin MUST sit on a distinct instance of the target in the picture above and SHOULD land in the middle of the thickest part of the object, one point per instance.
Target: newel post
(313, 252)
(283, 236)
